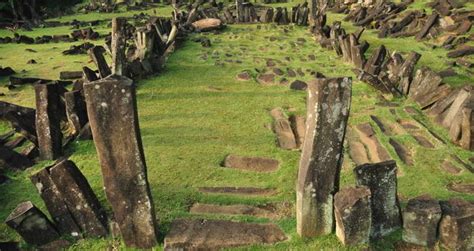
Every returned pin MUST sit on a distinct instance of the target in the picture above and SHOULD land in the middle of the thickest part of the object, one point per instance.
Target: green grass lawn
(195, 112)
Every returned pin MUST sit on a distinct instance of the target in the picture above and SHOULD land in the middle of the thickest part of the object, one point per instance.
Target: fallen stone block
(461, 188)
(257, 164)
(402, 151)
(266, 211)
(31, 224)
(208, 24)
(282, 128)
(70, 75)
(48, 121)
(13, 160)
(298, 125)
(420, 221)
(461, 52)
(79, 198)
(247, 191)
(55, 204)
(353, 215)
(377, 151)
(455, 229)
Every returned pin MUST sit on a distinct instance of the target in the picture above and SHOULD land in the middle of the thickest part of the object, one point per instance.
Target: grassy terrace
(194, 113)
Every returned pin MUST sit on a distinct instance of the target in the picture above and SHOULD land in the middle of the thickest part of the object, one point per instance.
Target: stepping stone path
(257, 164)
(187, 234)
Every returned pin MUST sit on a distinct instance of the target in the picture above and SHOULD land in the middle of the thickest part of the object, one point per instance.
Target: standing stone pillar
(48, 121)
(75, 110)
(32, 225)
(240, 11)
(381, 179)
(119, 42)
(322, 154)
(112, 109)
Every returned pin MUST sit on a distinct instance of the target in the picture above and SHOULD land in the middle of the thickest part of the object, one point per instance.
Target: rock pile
(391, 73)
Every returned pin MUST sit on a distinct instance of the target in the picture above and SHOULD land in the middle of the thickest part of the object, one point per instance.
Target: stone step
(270, 211)
(196, 234)
(247, 191)
(257, 164)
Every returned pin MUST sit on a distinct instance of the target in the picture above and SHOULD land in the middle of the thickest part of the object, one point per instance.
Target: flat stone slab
(248, 191)
(270, 211)
(461, 188)
(257, 164)
(188, 234)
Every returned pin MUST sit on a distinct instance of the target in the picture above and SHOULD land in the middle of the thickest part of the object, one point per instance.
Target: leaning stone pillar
(79, 198)
(381, 179)
(112, 110)
(48, 121)
(327, 113)
(55, 204)
(75, 110)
